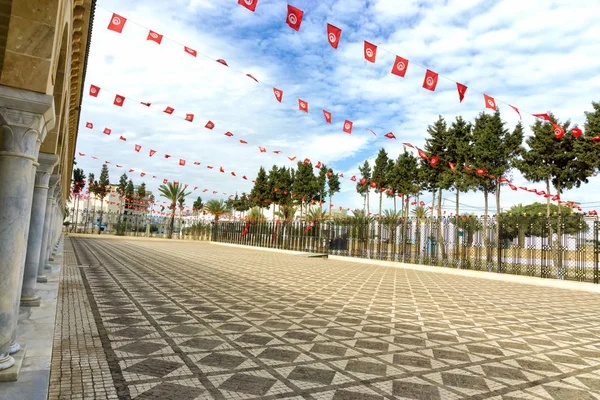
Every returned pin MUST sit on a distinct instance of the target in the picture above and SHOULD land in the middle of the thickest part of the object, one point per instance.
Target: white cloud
(536, 55)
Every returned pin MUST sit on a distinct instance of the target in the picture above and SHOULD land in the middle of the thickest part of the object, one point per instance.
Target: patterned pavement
(189, 320)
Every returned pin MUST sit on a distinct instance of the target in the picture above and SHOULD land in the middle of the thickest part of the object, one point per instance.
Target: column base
(14, 348)
(30, 301)
(52, 258)
(42, 279)
(6, 362)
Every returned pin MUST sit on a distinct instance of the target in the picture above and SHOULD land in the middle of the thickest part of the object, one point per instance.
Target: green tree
(172, 193)
(304, 185)
(198, 204)
(588, 149)
(381, 174)
(141, 191)
(102, 189)
(321, 184)
(260, 191)
(434, 178)
(333, 185)
(363, 190)
(457, 152)
(78, 185)
(216, 208)
(406, 173)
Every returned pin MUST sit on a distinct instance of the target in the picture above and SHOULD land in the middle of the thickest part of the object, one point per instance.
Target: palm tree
(216, 208)
(173, 193)
(420, 213)
(255, 215)
(286, 213)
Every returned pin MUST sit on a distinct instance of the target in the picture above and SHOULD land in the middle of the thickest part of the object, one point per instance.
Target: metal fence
(560, 248)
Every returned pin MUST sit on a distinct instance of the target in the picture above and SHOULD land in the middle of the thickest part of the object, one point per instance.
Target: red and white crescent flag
(390, 135)
(221, 169)
(81, 154)
(190, 51)
(462, 89)
(545, 117)
(430, 81)
(152, 152)
(169, 110)
(294, 17)
(372, 131)
(146, 104)
(513, 187)
(233, 173)
(292, 158)
(262, 149)
(249, 4)
(138, 148)
(221, 61)
(333, 35)
(452, 166)
(400, 66)
(165, 181)
(306, 161)
(278, 94)
(327, 115)
(209, 167)
(243, 141)
(422, 154)
(182, 162)
(123, 138)
(434, 161)
(408, 145)
(353, 179)
(277, 151)
(517, 111)
(142, 174)
(303, 105)
(89, 125)
(209, 125)
(189, 117)
(117, 23)
(119, 100)
(363, 181)
(229, 134)
(348, 127)
(195, 187)
(318, 165)
(167, 156)
(244, 177)
(559, 132)
(155, 37)
(489, 102)
(480, 171)
(94, 157)
(373, 185)
(131, 170)
(94, 90)
(197, 163)
(370, 51)
(576, 132)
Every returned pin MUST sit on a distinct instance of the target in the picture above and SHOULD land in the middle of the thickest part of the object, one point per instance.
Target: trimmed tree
(333, 185)
(363, 190)
(102, 190)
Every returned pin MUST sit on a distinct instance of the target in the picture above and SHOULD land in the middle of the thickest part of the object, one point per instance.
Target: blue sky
(536, 55)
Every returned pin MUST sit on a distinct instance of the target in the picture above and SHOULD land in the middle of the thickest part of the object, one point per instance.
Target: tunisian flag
(370, 52)
(89, 125)
(390, 135)
(94, 90)
(462, 89)
(348, 126)
(303, 105)
(182, 162)
(430, 81)
(333, 35)
(155, 37)
(327, 115)
(119, 100)
(138, 148)
(559, 132)
(294, 17)
(489, 102)
(117, 23)
(278, 94)
(249, 4)
(400, 66)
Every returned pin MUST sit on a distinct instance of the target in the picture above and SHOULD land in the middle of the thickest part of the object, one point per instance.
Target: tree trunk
(394, 205)
(440, 237)
(368, 201)
(172, 224)
(548, 199)
(457, 229)
(486, 242)
(330, 202)
(558, 246)
(101, 212)
(497, 233)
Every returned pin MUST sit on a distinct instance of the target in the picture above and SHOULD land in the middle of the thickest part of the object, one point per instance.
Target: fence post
(596, 249)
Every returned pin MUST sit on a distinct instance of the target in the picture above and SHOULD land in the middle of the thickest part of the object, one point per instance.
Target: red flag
(489, 102)
(505, 180)
(294, 17)
(119, 100)
(348, 127)
(434, 161)
(138, 148)
(329, 173)
(233, 173)
(306, 161)
(318, 165)
(155, 37)
(209, 125)
(249, 4)
(292, 158)
(81, 155)
(327, 115)
(197, 162)
(480, 171)
(221, 61)
(89, 125)
(152, 152)
(94, 90)
(430, 81)
(117, 23)
(545, 117)
(363, 181)
(182, 162)
(146, 104)
(243, 141)
(372, 131)
(190, 51)
(221, 169)
(228, 134)
(278, 94)
(370, 52)
(169, 110)
(559, 132)
(118, 166)
(517, 111)
(123, 138)
(277, 151)
(576, 132)
(167, 155)
(244, 177)
(596, 139)
(189, 117)
(353, 179)
(462, 90)
(513, 187)
(408, 144)
(250, 76)
(452, 167)
(400, 66)
(373, 184)
(209, 167)
(302, 105)
(333, 35)
(422, 154)
(390, 135)
(131, 170)
(165, 181)
(262, 149)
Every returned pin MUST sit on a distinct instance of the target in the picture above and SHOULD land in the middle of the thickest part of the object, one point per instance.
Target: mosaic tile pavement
(187, 320)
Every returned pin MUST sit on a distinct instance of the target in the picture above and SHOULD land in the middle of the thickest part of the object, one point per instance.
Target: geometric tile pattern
(190, 320)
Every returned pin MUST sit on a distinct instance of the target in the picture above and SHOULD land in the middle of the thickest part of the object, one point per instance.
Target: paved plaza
(153, 319)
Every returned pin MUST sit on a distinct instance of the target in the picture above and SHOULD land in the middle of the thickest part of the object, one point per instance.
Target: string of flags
(399, 68)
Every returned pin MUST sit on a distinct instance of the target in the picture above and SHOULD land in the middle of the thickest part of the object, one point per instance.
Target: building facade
(43, 54)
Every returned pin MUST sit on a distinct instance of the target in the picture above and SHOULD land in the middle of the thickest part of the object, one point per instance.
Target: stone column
(36, 229)
(24, 120)
(44, 253)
